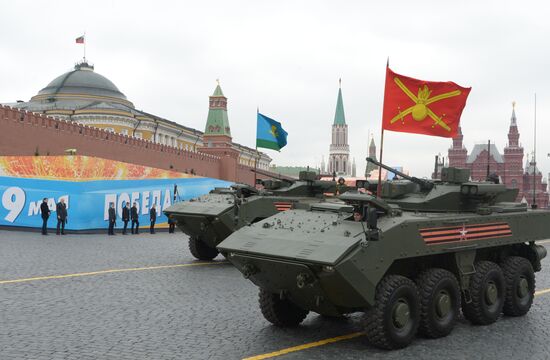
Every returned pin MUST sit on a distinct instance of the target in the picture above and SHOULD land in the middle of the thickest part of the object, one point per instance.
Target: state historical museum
(509, 166)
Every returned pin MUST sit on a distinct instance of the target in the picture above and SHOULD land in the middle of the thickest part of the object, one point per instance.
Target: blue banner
(88, 201)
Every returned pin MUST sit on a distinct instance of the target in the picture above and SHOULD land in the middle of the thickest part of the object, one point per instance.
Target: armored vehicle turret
(409, 259)
(210, 218)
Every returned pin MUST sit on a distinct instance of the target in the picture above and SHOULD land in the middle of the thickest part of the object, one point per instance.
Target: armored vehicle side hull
(327, 263)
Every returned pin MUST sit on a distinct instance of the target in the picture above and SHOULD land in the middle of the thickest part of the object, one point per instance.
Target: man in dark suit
(125, 217)
(45, 210)
(112, 219)
(153, 218)
(171, 225)
(135, 218)
(61, 210)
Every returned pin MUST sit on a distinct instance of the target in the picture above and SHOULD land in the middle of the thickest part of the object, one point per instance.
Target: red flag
(422, 107)
(80, 40)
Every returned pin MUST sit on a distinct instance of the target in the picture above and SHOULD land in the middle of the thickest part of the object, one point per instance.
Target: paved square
(136, 297)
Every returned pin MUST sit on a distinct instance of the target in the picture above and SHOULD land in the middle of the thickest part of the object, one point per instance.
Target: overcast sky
(286, 57)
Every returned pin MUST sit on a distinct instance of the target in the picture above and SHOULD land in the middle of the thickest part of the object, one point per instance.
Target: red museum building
(509, 166)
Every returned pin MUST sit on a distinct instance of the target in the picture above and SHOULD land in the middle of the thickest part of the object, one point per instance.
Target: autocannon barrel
(424, 184)
(273, 175)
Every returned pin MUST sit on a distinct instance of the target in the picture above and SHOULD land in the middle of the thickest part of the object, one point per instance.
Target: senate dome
(81, 84)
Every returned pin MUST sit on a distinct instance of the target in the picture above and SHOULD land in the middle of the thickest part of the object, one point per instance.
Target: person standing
(125, 217)
(61, 210)
(171, 225)
(45, 210)
(153, 218)
(135, 218)
(112, 219)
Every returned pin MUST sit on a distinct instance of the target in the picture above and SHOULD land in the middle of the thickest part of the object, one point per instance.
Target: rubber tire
(430, 283)
(477, 311)
(513, 268)
(280, 312)
(379, 327)
(200, 250)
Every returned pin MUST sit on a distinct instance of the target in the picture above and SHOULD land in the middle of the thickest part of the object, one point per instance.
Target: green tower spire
(217, 122)
(218, 91)
(339, 117)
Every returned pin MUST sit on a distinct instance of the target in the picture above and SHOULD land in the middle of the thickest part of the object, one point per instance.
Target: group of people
(60, 210)
(128, 214)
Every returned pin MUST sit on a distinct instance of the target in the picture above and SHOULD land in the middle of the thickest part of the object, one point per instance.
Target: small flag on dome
(80, 40)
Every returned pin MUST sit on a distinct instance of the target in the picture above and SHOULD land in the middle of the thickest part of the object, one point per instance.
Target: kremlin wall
(27, 133)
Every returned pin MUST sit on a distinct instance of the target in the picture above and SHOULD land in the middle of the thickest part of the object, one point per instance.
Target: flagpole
(256, 157)
(379, 186)
(534, 203)
(84, 45)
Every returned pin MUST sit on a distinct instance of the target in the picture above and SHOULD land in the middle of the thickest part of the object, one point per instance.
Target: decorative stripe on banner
(440, 235)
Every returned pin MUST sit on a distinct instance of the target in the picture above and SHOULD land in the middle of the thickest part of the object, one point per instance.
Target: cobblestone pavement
(191, 312)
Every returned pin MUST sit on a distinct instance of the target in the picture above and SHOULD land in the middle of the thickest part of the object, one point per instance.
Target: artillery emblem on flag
(420, 109)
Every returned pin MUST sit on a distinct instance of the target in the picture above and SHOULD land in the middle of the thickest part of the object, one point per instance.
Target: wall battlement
(28, 133)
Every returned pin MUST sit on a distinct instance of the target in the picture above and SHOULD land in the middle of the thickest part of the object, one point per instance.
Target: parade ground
(145, 297)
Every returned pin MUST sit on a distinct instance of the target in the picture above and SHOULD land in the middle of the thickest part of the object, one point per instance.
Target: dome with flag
(81, 84)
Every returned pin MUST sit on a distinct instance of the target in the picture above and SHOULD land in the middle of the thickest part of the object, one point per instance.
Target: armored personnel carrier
(209, 219)
(409, 259)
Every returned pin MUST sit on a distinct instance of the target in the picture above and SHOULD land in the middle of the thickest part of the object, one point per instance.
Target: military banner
(422, 107)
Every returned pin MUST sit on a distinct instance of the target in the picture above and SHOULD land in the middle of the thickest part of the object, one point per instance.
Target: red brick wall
(21, 133)
(541, 195)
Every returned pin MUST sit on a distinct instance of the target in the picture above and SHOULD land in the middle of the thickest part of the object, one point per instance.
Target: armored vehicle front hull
(325, 262)
(211, 218)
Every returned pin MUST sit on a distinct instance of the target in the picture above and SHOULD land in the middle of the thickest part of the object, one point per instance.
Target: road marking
(330, 341)
(305, 346)
(100, 272)
(542, 292)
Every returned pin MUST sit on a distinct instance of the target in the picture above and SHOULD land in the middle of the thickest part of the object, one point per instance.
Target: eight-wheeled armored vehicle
(210, 218)
(409, 258)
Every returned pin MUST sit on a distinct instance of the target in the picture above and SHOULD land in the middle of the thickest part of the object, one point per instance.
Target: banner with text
(88, 201)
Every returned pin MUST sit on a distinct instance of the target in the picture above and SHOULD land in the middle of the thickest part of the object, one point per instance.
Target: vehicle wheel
(280, 312)
(393, 320)
(439, 302)
(519, 279)
(200, 250)
(487, 294)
